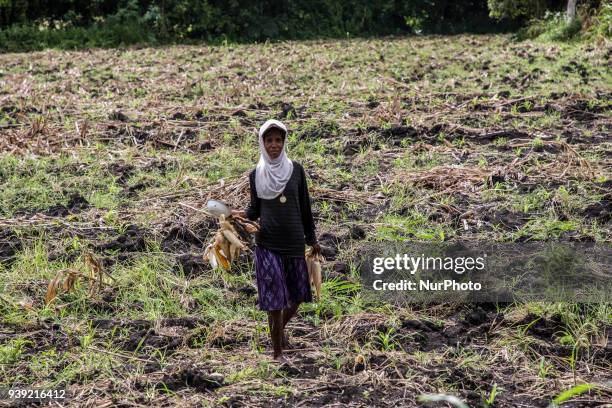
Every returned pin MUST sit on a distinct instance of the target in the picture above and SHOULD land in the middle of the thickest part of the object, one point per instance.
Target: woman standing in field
(280, 198)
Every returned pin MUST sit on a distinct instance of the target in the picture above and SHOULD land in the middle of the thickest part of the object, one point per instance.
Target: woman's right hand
(239, 213)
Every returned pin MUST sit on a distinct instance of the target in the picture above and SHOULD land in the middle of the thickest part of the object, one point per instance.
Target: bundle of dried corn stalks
(235, 193)
(570, 163)
(466, 179)
(227, 242)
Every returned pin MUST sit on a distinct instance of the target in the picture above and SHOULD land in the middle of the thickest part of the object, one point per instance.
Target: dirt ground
(112, 152)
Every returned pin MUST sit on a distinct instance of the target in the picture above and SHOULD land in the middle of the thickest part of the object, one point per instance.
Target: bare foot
(286, 344)
(279, 358)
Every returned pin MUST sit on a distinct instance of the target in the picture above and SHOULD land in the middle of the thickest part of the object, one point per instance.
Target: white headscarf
(271, 175)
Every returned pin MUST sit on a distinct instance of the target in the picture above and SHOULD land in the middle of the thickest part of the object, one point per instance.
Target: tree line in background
(36, 24)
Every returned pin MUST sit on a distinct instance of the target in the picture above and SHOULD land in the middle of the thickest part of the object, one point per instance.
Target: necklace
(282, 198)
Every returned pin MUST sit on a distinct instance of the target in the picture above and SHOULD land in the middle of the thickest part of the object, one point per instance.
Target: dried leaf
(53, 286)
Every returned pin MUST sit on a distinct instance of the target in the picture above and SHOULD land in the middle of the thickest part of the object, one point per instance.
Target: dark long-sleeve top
(284, 227)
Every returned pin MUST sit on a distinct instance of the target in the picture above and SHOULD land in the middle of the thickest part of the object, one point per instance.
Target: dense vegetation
(38, 24)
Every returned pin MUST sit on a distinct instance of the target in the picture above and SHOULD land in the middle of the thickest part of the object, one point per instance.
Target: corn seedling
(568, 394)
(386, 341)
(491, 399)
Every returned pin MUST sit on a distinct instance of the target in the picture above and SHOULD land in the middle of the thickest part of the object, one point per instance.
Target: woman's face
(273, 142)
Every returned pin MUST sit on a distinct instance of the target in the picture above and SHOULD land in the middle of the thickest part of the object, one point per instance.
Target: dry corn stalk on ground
(65, 279)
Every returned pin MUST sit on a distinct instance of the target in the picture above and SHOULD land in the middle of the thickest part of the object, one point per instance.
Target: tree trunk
(571, 10)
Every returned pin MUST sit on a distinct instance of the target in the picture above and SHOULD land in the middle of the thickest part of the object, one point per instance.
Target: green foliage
(554, 26)
(386, 340)
(33, 25)
(517, 8)
(572, 392)
(39, 24)
(490, 401)
(124, 27)
(601, 24)
(12, 351)
(548, 20)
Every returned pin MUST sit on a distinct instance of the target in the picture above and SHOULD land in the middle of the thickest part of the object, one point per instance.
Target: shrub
(554, 26)
(600, 26)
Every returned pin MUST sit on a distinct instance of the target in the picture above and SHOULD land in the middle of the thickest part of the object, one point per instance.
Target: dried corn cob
(313, 262)
(227, 243)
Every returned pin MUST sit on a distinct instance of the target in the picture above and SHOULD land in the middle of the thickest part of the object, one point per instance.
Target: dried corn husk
(209, 255)
(221, 259)
(313, 262)
(233, 239)
(223, 245)
(226, 245)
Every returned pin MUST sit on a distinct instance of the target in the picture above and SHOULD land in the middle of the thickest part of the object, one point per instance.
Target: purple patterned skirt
(282, 281)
